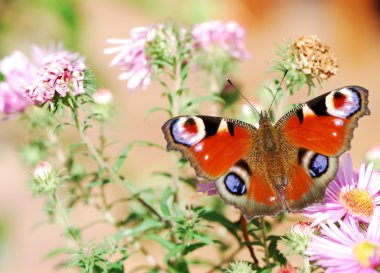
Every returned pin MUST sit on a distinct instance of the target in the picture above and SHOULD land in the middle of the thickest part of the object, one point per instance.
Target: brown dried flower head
(314, 58)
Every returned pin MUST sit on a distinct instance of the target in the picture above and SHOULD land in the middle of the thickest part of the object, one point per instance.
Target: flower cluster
(18, 72)
(38, 79)
(314, 58)
(228, 36)
(348, 248)
(158, 44)
(306, 61)
(60, 73)
(131, 57)
(352, 201)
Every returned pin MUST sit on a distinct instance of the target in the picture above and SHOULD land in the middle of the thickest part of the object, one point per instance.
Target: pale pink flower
(102, 96)
(347, 248)
(61, 72)
(304, 228)
(42, 171)
(207, 188)
(373, 153)
(350, 195)
(227, 35)
(18, 73)
(132, 58)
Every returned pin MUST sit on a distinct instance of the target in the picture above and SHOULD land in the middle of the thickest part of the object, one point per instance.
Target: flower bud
(299, 237)
(45, 178)
(240, 267)
(103, 96)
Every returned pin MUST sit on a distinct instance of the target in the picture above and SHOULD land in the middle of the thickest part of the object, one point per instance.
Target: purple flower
(60, 72)
(350, 195)
(132, 58)
(227, 35)
(18, 73)
(347, 248)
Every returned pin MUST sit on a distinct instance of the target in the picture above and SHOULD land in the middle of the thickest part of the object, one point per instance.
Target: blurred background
(350, 27)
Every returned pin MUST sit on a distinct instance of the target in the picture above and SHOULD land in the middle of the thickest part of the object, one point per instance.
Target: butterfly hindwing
(247, 187)
(211, 144)
(307, 183)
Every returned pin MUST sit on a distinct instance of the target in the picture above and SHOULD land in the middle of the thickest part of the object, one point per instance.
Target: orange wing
(325, 124)
(211, 144)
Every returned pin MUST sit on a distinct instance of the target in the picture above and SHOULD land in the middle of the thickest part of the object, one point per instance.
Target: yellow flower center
(364, 251)
(358, 202)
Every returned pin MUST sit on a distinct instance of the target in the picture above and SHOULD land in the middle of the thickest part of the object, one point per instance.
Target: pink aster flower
(61, 72)
(131, 57)
(350, 195)
(18, 73)
(347, 248)
(207, 188)
(227, 35)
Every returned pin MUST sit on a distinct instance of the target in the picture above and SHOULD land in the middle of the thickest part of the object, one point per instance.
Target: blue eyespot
(235, 184)
(318, 165)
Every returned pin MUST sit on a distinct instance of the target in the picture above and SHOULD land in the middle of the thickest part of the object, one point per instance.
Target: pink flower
(304, 229)
(102, 96)
(227, 35)
(349, 195)
(42, 171)
(60, 72)
(347, 248)
(18, 73)
(131, 57)
(207, 188)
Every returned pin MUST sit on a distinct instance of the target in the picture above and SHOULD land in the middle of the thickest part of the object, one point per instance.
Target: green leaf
(119, 162)
(213, 216)
(146, 225)
(155, 109)
(167, 193)
(198, 100)
(176, 250)
(178, 266)
(203, 238)
(169, 245)
(194, 247)
(57, 251)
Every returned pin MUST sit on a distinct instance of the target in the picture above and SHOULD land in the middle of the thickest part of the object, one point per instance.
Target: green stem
(264, 238)
(104, 165)
(175, 112)
(62, 214)
(306, 265)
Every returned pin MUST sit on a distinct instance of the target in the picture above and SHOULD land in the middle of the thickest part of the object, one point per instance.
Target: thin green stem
(104, 165)
(176, 104)
(306, 265)
(226, 259)
(62, 214)
(264, 238)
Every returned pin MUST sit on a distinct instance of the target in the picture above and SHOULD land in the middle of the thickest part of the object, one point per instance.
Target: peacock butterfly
(285, 166)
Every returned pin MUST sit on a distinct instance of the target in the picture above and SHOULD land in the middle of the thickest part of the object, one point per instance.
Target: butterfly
(284, 166)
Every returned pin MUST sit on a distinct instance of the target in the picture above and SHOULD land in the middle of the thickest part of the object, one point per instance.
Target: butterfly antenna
(278, 89)
(241, 94)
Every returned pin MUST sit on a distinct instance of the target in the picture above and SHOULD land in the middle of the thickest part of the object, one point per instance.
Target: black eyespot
(318, 165)
(235, 184)
(190, 122)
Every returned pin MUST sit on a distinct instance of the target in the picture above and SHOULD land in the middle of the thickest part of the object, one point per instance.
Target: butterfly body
(275, 167)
